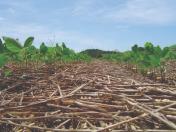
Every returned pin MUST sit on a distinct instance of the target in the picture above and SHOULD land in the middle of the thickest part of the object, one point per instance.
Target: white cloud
(127, 12)
(120, 16)
(85, 9)
(143, 12)
(81, 8)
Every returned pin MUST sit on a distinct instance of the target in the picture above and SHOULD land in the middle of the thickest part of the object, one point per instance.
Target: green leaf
(12, 45)
(28, 42)
(154, 60)
(3, 60)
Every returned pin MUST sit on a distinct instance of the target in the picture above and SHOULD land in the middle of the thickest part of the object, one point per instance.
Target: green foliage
(83, 57)
(58, 51)
(12, 45)
(96, 53)
(170, 55)
(149, 47)
(16, 52)
(63, 45)
(1, 46)
(173, 47)
(146, 57)
(113, 57)
(135, 48)
(43, 49)
(3, 60)
(28, 42)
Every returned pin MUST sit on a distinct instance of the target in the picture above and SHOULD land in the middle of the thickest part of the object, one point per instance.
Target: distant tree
(170, 55)
(141, 49)
(173, 47)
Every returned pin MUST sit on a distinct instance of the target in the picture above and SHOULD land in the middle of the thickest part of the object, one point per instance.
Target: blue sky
(104, 24)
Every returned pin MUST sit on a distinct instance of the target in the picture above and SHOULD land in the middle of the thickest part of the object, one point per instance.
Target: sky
(82, 24)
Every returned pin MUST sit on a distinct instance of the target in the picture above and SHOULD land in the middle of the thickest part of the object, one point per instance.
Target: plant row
(148, 59)
(11, 50)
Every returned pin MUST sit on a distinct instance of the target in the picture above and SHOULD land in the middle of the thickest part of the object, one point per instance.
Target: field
(87, 66)
(85, 96)
(54, 88)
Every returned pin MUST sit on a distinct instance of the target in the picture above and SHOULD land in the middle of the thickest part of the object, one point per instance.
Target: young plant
(43, 50)
(27, 49)
(14, 48)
